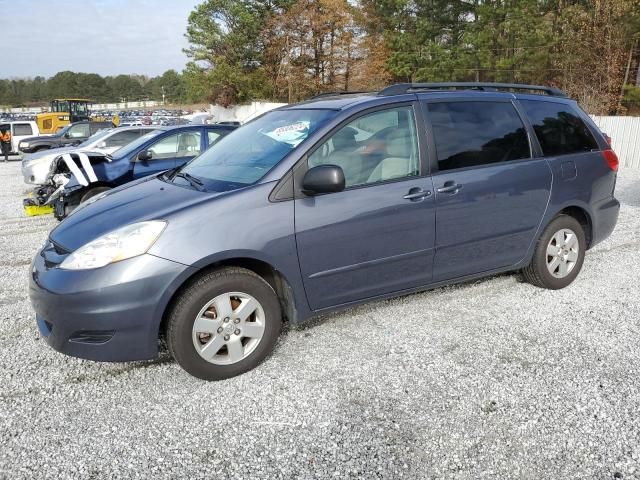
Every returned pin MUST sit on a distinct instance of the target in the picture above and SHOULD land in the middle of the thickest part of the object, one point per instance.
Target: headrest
(344, 139)
(399, 147)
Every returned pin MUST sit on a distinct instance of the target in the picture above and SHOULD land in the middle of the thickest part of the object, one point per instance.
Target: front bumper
(29, 149)
(111, 313)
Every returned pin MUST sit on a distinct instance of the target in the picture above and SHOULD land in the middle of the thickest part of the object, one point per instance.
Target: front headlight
(126, 242)
(23, 145)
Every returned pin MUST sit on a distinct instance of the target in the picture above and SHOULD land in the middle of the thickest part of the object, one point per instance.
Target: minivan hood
(148, 199)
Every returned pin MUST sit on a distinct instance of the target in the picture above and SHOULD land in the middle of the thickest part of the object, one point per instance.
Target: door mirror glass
(323, 179)
(145, 155)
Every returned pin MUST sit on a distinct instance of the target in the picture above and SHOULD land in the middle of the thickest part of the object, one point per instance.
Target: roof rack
(332, 94)
(401, 88)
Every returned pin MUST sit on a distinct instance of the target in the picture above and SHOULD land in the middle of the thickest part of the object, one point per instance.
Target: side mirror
(67, 135)
(145, 155)
(102, 144)
(323, 179)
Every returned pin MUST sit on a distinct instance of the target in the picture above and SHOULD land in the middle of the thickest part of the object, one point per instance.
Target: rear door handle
(449, 187)
(417, 194)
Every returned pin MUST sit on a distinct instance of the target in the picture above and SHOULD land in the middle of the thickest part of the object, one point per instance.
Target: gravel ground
(490, 379)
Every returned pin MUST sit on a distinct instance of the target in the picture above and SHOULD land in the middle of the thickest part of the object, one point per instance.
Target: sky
(43, 37)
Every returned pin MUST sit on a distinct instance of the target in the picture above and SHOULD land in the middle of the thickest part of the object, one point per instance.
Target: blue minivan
(324, 204)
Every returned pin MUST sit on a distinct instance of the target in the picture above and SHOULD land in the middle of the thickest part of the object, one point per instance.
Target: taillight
(611, 158)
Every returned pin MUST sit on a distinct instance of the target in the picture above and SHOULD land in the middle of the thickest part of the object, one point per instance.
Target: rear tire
(559, 254)
(224, 324)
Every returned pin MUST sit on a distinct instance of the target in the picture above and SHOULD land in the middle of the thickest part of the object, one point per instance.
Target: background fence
(625, 137)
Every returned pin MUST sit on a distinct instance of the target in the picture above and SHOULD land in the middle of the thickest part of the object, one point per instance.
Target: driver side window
(184, 144)
(374, 148)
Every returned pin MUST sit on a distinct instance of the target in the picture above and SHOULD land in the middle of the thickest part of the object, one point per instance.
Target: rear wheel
(224, 324)
(559, 254)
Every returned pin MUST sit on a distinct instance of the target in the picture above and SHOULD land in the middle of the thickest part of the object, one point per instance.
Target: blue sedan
(77, 177)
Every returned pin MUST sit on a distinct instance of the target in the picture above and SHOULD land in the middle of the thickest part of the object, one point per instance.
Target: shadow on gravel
(358, 309)
(101, 374)
(630, 195)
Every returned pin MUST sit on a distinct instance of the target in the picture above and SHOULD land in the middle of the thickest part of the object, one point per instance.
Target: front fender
(237, 225)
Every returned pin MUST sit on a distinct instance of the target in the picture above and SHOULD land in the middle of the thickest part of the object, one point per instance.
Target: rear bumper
(605, 217)
(107, 314)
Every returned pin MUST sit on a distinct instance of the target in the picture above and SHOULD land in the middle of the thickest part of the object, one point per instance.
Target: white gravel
(491, 379)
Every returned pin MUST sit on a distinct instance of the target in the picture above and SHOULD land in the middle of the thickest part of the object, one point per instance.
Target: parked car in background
(20, 130)
(325, 204)
(72, 134)
(35, 166)
(78, 176)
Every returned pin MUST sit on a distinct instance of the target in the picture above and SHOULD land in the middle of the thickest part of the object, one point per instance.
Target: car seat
(400, 162)
(188, 145)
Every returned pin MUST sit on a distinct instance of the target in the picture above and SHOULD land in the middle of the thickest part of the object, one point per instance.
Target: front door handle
(449, 187)
(417, 194)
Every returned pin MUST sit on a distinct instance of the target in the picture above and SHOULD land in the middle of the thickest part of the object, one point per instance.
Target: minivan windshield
(245, 155)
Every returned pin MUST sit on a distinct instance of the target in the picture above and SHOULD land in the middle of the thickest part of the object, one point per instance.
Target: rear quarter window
(469, 134)
(559, 128)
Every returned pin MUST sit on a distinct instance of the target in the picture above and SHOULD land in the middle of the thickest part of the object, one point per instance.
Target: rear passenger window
(22, 129)
(559, 129)
(468, 134)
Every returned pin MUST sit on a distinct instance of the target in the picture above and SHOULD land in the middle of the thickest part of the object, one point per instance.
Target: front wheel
(224, 324)
(559, 254)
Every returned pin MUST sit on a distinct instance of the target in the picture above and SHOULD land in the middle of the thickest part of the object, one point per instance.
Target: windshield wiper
(169, 174)
(193, 181)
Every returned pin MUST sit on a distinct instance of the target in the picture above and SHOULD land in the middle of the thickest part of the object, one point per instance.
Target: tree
(311, 48)
(226, 50)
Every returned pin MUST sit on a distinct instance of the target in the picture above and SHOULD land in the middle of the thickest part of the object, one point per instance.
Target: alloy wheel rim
(563, 251)
(228, 328)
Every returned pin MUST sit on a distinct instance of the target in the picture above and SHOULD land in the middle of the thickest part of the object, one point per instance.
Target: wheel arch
(583, 216)
(274, 277)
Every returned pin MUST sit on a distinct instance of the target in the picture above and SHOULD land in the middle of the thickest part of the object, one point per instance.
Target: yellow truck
(62, 112)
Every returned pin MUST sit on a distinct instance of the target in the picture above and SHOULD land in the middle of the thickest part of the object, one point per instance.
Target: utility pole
(162, 87)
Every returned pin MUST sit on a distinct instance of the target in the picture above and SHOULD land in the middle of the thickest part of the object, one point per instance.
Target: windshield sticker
(292, 134)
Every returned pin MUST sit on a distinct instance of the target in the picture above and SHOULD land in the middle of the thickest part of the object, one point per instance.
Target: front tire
(224, 324)
(559, 254)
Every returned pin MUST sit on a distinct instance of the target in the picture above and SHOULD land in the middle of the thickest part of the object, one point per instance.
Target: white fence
(241, 113)
(124, 105)
(625, 137)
